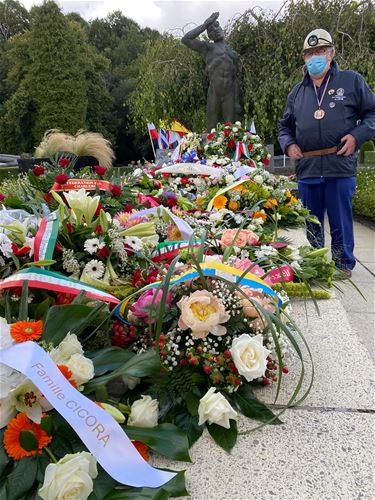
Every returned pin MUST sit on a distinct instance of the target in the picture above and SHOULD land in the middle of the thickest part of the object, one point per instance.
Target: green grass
(6, 172)
(364, 199)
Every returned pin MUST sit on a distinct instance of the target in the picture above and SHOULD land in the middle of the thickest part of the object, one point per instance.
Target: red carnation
(103, 253)
(64, 162)
(210, 137)
(61, 178)
(184, 180)
(227, 132)
(231, 144)
(99, 170)
(115, 190)
(266, 161)
(38, 170)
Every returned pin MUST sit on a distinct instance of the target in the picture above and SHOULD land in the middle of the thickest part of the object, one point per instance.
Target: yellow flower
(233, 205)
(270, 203)
(291, 201)
(220, 202)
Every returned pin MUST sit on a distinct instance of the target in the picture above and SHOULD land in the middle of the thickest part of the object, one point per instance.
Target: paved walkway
(324, 449)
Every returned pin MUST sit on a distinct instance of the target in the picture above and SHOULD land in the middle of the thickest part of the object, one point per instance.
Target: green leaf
(61, 320)
(189, 424)
(4, 459)
(140, 365)
(21, 479)
(28, 441)
(40, 263)
(42, 308)
(22, 316)
(109, 359)
(166, 439)
(245, 401)
(225, 438)
(47, 424)
(174, 488)
(103, 484)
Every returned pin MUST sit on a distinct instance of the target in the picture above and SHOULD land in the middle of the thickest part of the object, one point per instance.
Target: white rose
(144, 412)
(238, 124)
(215, 409)
(213, 130)
(229, 179)
(131, 382)
(249, 356)
(234, 129)
(258, 179)
(82, 368)
(71, 478)
(67, 347)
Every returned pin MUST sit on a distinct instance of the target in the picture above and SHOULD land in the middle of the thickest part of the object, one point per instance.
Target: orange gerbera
(259, 215)
(270, 203)
(220, 201)
(233, 205)
(67, 374)
(142, 449)
(291, 201)
(26, 330)
(12, 435)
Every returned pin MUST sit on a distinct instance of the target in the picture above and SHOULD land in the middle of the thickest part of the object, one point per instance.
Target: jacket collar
(332, 72)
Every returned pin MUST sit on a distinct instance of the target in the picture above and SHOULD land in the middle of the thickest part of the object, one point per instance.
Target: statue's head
(215, 32)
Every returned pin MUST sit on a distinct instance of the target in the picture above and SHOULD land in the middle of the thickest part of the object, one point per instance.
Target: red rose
(227, 132)
(231, 144)
(64, 162)
(210, 137)
(115, 190)
(184, 180)
(2, 197)
(99, 230)
(38, 170)
(100, 207)
(61, 178)
(250, 147)
(266, 161)
(128, 208)
(103, 253)
(99, 170)
(167, 174)
(228, 124)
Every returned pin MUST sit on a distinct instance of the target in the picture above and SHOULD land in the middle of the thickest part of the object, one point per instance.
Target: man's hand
(349, 145)
(294, 152)
(210, 20)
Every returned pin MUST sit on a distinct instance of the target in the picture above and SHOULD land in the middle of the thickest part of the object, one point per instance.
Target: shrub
(364, 199)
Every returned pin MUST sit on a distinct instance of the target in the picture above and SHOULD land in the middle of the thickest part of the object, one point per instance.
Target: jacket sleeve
(365, 130)
(286, 125)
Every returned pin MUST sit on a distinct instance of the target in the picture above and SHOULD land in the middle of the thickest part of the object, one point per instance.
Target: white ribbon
(191, 169)
(99, 431)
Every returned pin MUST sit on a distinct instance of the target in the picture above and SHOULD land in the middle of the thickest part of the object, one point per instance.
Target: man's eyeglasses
(319, 51)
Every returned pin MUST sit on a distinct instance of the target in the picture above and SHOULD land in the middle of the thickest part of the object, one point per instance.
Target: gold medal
(319, 114)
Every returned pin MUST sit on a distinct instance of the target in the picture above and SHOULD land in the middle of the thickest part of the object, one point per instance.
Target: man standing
(221, 64)
(327, 117)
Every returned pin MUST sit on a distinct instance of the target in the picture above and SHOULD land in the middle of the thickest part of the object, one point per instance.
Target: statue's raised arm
(189, 39)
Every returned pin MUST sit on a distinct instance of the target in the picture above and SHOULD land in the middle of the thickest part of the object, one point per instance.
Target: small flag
(163, 139)
(176, 153)
(252, 128)
(154, 136)
(174, 139)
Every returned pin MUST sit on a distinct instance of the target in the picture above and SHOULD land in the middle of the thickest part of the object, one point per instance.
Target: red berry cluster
(123, 335)
(271, 371)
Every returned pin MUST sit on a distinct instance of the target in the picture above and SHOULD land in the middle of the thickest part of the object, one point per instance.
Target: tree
(14, 19)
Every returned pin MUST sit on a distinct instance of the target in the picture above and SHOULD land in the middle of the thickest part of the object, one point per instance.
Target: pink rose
(145, 306)
(251, 311)
(202, 312)
(243, 238)
(249, 266)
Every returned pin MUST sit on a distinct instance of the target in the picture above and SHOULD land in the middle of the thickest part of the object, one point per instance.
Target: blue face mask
(316, 65)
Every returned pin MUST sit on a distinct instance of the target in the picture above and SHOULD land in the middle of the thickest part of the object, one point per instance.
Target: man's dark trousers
(335, 196)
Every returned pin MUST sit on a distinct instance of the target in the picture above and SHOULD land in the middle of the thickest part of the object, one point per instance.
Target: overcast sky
(164, 15)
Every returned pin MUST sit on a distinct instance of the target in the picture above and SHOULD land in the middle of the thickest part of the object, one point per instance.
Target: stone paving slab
(343, 368)
(364, 324)
(353, 301)
(362, 275)
(313, 455)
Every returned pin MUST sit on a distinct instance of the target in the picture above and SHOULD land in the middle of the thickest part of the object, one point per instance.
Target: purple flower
(144, 307)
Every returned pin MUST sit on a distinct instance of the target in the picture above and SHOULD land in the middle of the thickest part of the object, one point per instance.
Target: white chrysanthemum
(94, 268)
(134, 243)
(93, 245)
(5, 245)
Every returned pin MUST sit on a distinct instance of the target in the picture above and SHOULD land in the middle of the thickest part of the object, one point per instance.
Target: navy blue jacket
(347, 100)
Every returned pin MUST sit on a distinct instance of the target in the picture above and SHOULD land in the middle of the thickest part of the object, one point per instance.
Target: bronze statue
(221, 64)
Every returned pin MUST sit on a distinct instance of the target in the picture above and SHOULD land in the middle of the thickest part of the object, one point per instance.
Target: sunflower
(12, 437)
(26, 330)
(67, 374)
(220, 202)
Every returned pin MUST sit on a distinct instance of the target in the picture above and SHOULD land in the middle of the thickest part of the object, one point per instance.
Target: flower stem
(51, 455)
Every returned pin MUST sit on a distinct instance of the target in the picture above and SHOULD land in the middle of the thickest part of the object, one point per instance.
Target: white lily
(83, 205)
(26, 398)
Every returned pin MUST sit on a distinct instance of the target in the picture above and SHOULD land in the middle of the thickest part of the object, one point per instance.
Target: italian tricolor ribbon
(169, 249)
(212, 269)
(56, 282)
(45, 239)
(242, 149)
